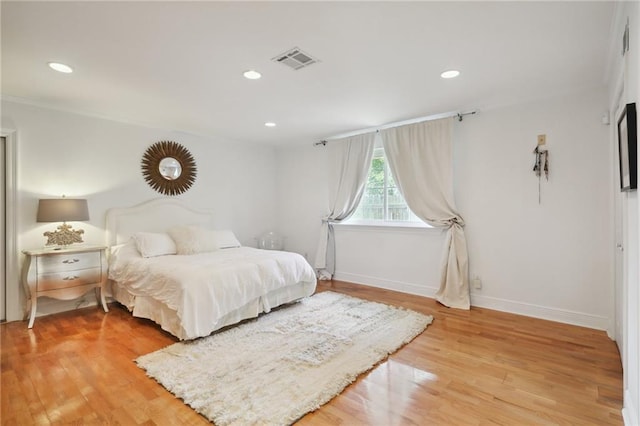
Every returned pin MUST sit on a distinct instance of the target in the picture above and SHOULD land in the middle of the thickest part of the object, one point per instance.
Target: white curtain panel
(420, 160)
(349, 162)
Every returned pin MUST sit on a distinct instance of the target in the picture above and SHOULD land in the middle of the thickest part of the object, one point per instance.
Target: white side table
(64, 274)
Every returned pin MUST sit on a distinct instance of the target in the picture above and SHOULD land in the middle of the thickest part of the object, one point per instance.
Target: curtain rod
(458, 115)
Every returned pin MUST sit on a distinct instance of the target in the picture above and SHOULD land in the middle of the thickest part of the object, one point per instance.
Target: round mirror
(170, 168)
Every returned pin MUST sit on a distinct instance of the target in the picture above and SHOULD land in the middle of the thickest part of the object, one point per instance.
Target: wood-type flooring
(476, 367)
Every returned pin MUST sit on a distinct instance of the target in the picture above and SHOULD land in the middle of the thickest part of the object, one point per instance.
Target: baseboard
(629, 411)
(504, 305)
(410, 288)
(543, 312)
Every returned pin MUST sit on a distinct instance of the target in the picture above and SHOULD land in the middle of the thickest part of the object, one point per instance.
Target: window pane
(382, 196)
(372, 204)
(397, 207)
(376, 173)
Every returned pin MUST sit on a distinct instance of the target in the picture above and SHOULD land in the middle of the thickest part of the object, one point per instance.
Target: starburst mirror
(168, 167)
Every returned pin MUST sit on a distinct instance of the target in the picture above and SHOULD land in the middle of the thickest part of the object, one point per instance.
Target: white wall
(403, 259)
(81, 156)
(302, 195)
(549, 260)
(632, 368)
(625, 76)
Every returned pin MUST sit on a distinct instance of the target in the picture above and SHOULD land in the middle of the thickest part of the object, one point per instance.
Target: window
(382, 202)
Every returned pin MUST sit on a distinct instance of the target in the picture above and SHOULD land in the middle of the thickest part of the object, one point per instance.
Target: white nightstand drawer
(66, 279)
(64, 274)
(68, 262)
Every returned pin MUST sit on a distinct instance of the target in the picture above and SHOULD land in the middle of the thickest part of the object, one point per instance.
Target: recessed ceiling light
(252, 75)
(60, 67)
(450, 74)
(270, 124)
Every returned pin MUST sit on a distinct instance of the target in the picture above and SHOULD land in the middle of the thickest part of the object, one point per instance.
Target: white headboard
(156, 215)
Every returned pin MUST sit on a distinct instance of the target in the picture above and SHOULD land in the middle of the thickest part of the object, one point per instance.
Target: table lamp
(63, 210)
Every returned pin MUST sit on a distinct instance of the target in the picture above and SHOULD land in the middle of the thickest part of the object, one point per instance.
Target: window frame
(386, 222)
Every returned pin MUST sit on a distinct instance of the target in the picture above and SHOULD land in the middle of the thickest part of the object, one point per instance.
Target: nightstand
(64, 274)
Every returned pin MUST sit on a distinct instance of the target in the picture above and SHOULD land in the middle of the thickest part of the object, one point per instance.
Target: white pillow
(225, 239)
(193, 239)
(151, 244)
(125, 251)
(120, 255)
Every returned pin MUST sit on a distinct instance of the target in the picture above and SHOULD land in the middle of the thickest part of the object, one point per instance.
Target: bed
(168, 263)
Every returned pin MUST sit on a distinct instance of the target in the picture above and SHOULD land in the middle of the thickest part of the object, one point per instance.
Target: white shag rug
(276, 368)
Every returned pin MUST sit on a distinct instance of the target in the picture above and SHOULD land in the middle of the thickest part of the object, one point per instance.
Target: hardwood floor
(468, 368)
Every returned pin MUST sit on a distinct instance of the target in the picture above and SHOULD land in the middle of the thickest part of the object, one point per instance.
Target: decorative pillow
(152, 244)
(193, 239)
(225, 239)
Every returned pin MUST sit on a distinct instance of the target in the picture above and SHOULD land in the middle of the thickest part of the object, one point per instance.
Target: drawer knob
(71, 278)
(71, 261)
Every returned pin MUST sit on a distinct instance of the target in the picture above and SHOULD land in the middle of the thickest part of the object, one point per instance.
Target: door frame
(621, 260)
(13, 310)
(619, 229)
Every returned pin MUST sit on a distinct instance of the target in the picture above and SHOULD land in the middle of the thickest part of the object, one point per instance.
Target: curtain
(420, 160)
(349, 162)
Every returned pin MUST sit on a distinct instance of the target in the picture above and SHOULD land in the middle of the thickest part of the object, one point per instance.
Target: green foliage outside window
(382, 200)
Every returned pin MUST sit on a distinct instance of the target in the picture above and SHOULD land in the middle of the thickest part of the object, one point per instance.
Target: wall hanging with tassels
(542, 162)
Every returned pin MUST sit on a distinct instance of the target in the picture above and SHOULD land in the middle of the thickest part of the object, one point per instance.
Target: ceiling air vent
(295, 58)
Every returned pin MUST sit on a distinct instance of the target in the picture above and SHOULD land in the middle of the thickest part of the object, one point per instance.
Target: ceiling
(179, 65)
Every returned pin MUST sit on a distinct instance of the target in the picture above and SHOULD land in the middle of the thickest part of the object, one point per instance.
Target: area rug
(276, 368)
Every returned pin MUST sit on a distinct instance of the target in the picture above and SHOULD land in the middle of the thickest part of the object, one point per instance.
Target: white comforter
(204, 287)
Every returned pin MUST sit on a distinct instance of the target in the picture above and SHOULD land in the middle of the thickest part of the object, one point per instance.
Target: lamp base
(64, 236)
